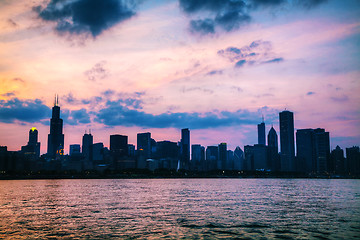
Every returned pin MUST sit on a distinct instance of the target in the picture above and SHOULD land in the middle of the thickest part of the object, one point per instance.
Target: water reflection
(180, 208)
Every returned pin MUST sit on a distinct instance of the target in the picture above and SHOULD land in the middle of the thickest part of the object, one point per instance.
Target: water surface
(180, 208)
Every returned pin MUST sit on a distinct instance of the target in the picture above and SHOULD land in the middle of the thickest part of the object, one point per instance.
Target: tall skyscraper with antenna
(56, 136)
(261, 132)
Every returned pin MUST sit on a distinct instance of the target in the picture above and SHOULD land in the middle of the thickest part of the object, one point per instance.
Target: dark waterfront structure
(185, 149)
(261, 133)
(287, 145)
(313, 150)
(56, 136)
(144, 144)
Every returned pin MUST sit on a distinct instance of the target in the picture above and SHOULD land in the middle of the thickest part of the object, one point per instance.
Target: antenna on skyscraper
(89, 130)
(262, 117)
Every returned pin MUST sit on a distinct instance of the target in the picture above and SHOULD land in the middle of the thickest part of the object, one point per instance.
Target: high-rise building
(238, 159)
(74, 149)
(338, 161)
(197, 157)
(287, 144)
(212, 156)
(87, 142)
(249, 158)
(260, 157)
(261, 133)
(221, 164)
(305, 150)
(322, 150)
(119, 144)
(144, 144)
(230, 160)
(273, 150)
(185, 149)
(56, 136)
(97, 152)
(313, 150)
(32, 149)
(353, 160)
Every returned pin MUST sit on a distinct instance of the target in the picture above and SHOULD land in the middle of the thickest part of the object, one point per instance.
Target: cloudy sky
(213, 66)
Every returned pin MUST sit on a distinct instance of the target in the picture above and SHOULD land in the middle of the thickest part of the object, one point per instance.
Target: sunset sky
(213, 66)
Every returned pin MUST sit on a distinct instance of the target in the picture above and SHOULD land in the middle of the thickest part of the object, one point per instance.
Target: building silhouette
(74, 149)
(273, 150)
(287, 144)
(32, 149)
(313, 150)
(144, 144)
(56, 136)
(353, 160)
(261, 133)
(221, 164)
(185, 149)
(197, 157)
(238, 159)
(337, 160)
(87, 142)
(212, 156)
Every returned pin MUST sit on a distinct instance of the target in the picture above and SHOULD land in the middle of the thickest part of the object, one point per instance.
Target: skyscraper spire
(56, 101)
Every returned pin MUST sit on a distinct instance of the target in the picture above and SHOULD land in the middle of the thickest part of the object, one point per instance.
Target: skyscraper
(119, 144)
(287, 144)
(185, 149)
(119, 150)
(144, 144)
(221, 165)
(33, 147)
(313, 150)
(261, 133)
(197, 157)
(56, 136)
(305, 150)
(238, 159)
(273, 150)
(87, 141)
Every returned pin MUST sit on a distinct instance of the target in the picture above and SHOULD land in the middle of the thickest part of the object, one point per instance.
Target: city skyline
(161, 66)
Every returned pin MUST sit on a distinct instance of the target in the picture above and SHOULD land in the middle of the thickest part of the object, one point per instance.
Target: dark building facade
(261, 133)
(212, 156)
(119, 145)
(197, 157)
(56, 137)
(144, 144)
(221, 164)
(287, 143)
(353, 160)
(313, 150)
(185, 149)
(74, 149)
(238, 159)
(337, 160)
(87, 142)
(32, 149)
(273, 151)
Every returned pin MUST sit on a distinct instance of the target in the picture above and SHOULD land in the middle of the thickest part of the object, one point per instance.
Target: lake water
(180, 209)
